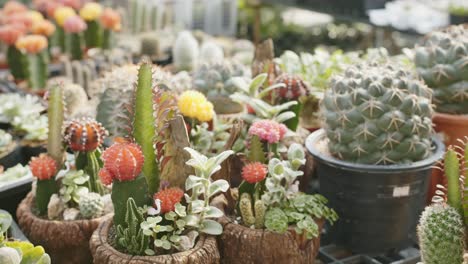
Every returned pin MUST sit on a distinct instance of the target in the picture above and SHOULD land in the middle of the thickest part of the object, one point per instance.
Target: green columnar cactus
(130, 236)
(15, 59)
(91, 205)
(452, 173)
(74, 45)
(59, 35)
(260, 210)
(441, 235)
(56, 116)
(245, 207)
(442, 61)
(107, 39)
(143, 123)
(36, 69)
(377, 114)
(93, 34)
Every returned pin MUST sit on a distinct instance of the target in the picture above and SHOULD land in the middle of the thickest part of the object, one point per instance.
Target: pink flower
(74, 24)
(268, 130)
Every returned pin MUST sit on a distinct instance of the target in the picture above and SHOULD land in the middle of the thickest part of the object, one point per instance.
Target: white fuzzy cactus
(185, 52)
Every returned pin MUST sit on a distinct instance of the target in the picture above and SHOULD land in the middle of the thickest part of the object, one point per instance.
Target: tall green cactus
(452, 173)
(143, 122)
(56, 117)
(36, 69)
(15, 59)
(255, 216)
(93, 34)
(74, 45)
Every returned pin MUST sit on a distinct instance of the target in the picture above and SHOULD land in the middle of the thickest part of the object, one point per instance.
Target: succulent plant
(185, 52)
(75, 98)
(210, 142)
(74, 185)
(34, 127)
(35, 61)
(441, 235)
(12, 106)
(14, 173)
(129, 235)
(44, 169)
(91, 205)
(376, 114)
(442, 61)
(28, 253)
(215, 78)
(211, 52)
(6, 141)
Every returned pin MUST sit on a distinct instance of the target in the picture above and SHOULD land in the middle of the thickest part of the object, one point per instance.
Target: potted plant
(374, 155)
(445, 221)
(10, 151)
(69, 201)
(458, 13)
(13, 251)
(269, 212)
(442, 62)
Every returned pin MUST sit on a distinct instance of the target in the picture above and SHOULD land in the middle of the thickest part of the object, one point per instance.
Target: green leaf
(180, 210)
(213, 212)
(256, 83)
(217, 187)
(211, 227)
(5, 221)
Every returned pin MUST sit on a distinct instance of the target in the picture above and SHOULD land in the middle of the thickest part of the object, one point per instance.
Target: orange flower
(110, 19)
(9, 34)
(13, 7)
(45, 28)
(32, 44)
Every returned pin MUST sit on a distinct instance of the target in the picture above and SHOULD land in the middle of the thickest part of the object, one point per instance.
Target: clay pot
(65, 241)
(204, 252)
(452, 127)
(240, 244)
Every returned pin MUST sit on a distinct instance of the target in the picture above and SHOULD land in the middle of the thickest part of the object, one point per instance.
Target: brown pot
(452, 127)
(204, 252)
(243, 245)
(65, 241)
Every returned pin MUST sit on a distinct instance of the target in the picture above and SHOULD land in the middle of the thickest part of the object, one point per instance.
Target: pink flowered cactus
(74, 24)
(268, 130)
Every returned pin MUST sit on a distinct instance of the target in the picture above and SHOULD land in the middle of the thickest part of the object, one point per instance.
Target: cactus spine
(144, 125)
(56, 117)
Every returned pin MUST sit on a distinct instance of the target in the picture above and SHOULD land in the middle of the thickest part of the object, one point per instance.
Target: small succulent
(34, 128)
(6, 141)
(14, 173)
(91, 205)
(215, 78)
(12, 105)
(74, 186)
(210, 142)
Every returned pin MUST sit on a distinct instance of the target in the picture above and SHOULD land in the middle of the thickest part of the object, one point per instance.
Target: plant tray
(332, 254)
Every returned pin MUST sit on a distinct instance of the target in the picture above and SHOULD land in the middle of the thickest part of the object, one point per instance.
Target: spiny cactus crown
(441, 235)
(442, 61)
(376, 114)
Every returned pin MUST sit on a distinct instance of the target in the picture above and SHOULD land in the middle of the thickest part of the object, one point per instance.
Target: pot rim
(451, 117)
(334, 162)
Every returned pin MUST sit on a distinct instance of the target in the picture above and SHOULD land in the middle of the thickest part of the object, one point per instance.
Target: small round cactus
(91, 205)
(378, 114)
(254, 172)
(84, 134)
(268, 130)
(122, 161)
(169, 198)
(294, 88)
(43, 167)
(441, 235)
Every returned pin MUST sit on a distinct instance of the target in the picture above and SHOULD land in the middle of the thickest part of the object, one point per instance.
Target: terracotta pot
(452, 127)
(240, 244)
(65, 241)
(204, 252)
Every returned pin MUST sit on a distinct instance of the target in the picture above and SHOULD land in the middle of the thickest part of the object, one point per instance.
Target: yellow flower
(62, 13)
(193, 104)
(91, 11)
(35, 16)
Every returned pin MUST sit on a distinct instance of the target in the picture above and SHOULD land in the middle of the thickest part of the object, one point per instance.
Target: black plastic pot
(457, 19)
(378, 205)
(29, 151)
(12, 158)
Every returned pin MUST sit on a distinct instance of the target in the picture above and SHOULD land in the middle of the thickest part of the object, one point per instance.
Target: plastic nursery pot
(205, 250)
(452, 127)
(65, 241)
(32, 149)
(240, 244)
(378, 205)
(12, 157)
(457, 20)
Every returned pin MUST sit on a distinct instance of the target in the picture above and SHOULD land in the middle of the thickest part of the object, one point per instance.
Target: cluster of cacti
(377, 114)
(91, 205)
(442, 227)
(144, 16)
(442, 61)
(185, 52)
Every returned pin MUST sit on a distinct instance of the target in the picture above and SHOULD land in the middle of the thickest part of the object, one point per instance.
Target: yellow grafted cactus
(62, 13)
(194, 104)
(91, 11)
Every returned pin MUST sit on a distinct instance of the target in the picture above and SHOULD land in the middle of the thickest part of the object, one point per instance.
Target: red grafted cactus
(169, 198)
(254, 172)
(122, 161)
(43, 167)
(294, 88)
(84, 134)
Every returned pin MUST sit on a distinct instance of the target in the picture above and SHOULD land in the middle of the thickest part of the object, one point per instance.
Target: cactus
(75, 98)
(185, 52)
(6, 143)
(211, 52)
(91, 205)
(74, 45)
(15, 59)
(245, 206)
(441, 235)
(376, 114)
(56, 115)
(93, 34)
(214, 80)
(44, 169)
(129, 235)
(150, 45)
(442, 61)
(36, 70)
